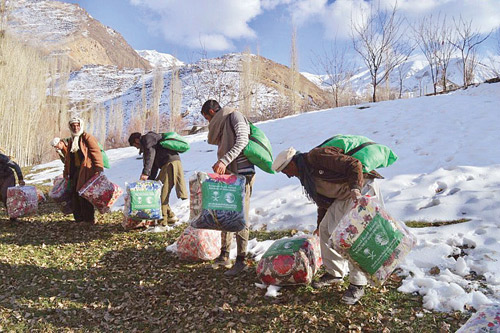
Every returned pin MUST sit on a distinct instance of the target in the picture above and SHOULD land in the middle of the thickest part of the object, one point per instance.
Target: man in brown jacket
(229, 130)
(83, 160)
(334, 181)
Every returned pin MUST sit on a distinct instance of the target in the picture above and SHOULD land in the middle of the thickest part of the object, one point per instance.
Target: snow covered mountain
(160, 60)
(63, 28)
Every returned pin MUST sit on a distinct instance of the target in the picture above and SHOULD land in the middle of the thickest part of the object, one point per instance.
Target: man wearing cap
(7, 178)
(229, 130)
(334, 181)
(61, 147)
(83, 161)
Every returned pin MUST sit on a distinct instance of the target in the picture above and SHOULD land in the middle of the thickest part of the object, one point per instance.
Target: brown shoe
(222, 261)
(238, 267)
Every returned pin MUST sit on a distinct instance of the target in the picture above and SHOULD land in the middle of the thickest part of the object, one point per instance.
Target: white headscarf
(76, 136)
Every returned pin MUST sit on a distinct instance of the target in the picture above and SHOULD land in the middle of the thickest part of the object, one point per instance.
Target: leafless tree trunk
(379, 40)
(175, 99)
(245, 103)
(467, 41)
(294, 74)
(338, 69)
(158, 86)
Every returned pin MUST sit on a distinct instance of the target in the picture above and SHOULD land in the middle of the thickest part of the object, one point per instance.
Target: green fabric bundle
(259, 151)
(175, 142)
(105, 159)
(372, 155)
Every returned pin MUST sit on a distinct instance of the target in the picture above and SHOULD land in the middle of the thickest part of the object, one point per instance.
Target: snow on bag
(143, 200)
(61, 194)
(290, 261)
(196, 244)
(217, 201)
(101, 192)
(372, 240)
(486, 319)
(21, 201)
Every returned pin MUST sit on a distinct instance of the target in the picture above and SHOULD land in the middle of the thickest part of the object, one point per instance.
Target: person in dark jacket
(82, 162)
(7, 178)
(334, 181)
(168, 162)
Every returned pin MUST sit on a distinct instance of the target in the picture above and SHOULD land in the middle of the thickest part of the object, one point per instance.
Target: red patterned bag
(290, 261)
(129, 224)
(21, 201)
(60, 194)
(101, 192)
(196, 244)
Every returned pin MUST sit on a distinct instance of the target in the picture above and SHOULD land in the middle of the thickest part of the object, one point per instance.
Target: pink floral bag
(199, 244)
(60, 194)
(21, 201)
(101, 192)
(372, 240)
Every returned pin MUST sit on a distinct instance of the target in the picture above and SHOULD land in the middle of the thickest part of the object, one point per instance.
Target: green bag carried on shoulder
(258, 150)
(175, 142)
(105, 159)
(372, 155)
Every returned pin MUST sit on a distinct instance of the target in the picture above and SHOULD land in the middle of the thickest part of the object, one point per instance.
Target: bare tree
(467, 41)
(158, 86)
(380, 42)
(294, 78)
(433, 36)
(338, 69)
(175, 99)
(245, 103)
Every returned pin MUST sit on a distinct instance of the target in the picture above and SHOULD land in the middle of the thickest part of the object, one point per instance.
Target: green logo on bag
(287, 246)
(145, 200)
(221, 196)
(375, 244)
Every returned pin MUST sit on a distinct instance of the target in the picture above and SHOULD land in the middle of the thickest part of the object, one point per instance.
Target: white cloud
(197, 23)
(336, 16)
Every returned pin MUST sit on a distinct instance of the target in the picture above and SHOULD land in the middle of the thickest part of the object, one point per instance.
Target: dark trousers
(83, 211)
(5, 183)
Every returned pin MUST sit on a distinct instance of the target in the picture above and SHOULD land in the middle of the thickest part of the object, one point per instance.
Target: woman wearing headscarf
(83, 160)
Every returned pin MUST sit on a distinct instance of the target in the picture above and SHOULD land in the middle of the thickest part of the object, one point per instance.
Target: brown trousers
(241, 236)
(171, 174)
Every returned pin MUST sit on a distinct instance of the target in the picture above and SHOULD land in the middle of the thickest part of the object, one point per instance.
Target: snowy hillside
(448, 168)
(415, 74)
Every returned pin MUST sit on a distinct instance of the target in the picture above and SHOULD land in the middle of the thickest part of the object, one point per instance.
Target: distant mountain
(63, 28)
(160, 60)
(218, 78)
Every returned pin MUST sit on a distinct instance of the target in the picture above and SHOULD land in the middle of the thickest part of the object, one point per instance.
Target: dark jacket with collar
(155, 156)
(6, 167)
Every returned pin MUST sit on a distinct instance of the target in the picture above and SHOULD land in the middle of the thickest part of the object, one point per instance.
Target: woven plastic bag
(143, 200)
(217, 201)
(290, 261)
(21, 201)
(101, 192)
(199, 244)
(130, 224)
(61, 194)
(372, 240)
(486, 319)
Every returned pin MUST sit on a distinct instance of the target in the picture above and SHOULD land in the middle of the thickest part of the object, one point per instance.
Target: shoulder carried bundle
(372, 155)
(175, 142)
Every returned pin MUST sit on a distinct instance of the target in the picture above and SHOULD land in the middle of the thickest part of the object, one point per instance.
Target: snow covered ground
(448, 168)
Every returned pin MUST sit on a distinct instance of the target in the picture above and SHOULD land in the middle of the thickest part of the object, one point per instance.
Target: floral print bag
(101, 192)
(21, 201)
(372, 240)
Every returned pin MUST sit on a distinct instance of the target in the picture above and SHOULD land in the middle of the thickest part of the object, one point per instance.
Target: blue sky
(181, 27)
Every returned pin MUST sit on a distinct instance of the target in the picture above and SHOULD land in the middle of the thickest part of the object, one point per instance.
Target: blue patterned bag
(143, 200)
